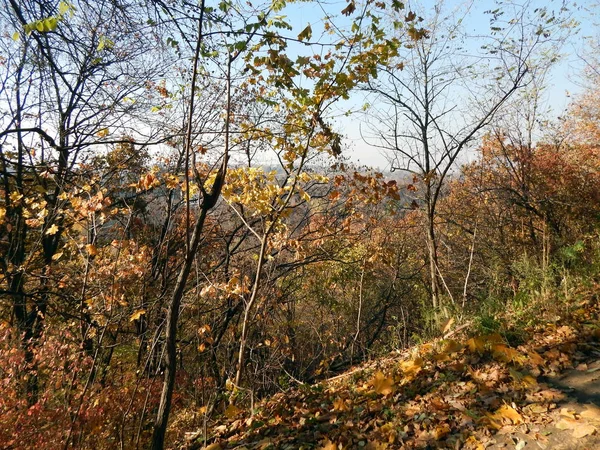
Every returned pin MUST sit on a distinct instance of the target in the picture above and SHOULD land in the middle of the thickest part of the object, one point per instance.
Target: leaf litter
(474, 393)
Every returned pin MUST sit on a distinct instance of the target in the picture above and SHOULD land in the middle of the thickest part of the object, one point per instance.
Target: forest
(191, 257)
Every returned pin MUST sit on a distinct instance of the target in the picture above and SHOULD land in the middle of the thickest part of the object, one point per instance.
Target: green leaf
(16, 35)
(63, 7)
(278, 5)
(50, 24)
(104, 42)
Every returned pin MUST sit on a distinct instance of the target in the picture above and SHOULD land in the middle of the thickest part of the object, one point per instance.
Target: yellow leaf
(441, 431)
(137, 314)
(507, 354)
(507, 412)
(476, 345)
(102, 133)
(52, 230)
(568, 413)
(340, 405)
(215, 446)
(57, 256)
(232, 411)
(473, 443)
(383, 385)
(411, 368)
(452, 346)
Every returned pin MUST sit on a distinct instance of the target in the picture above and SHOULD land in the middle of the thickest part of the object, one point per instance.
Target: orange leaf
(91, 249)
(509, 413)
(327, 445)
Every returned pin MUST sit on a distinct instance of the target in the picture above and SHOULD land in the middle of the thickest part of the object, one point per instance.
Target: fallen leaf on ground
(383, 385)
(592, 412)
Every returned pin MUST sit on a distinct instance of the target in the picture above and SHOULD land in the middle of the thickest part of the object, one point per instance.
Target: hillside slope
(470, 393)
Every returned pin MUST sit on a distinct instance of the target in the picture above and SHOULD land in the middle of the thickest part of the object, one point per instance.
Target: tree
(68, 74)
(247, 49)
(441, 93)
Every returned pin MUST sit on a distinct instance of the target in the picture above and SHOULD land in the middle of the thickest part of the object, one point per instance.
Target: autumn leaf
(214, 446)
(451, 346)
(411, 368)
(383, 385)
(476, 345)
(447, 325)
(348, 10)
(583, 429)
(232, 411)
(504, 414)
(506, 354)
(91, 249)
(591, 412)
(305, 34)
(137, 315)
(102, 133)
(52, 230)
(327, 445)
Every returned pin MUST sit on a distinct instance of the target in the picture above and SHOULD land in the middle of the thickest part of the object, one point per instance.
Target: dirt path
(574, 424)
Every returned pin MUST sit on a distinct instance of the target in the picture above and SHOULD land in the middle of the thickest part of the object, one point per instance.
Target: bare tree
(433, 102)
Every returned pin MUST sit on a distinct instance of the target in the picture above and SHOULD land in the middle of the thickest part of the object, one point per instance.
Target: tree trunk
(433, 262)
(164, 408)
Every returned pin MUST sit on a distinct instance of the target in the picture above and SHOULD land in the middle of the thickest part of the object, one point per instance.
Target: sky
(563, 82)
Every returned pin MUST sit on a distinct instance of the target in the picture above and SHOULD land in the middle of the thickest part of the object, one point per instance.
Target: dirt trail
(573, 425)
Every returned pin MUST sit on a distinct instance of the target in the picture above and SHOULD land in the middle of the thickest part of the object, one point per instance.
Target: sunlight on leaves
(383, 385)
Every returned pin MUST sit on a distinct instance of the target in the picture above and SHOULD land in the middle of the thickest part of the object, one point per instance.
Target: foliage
(180, 236)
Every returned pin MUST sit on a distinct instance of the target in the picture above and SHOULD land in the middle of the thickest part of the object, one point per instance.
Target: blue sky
(562, 83)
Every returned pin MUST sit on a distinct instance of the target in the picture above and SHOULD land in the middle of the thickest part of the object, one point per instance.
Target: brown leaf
(348, 10)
